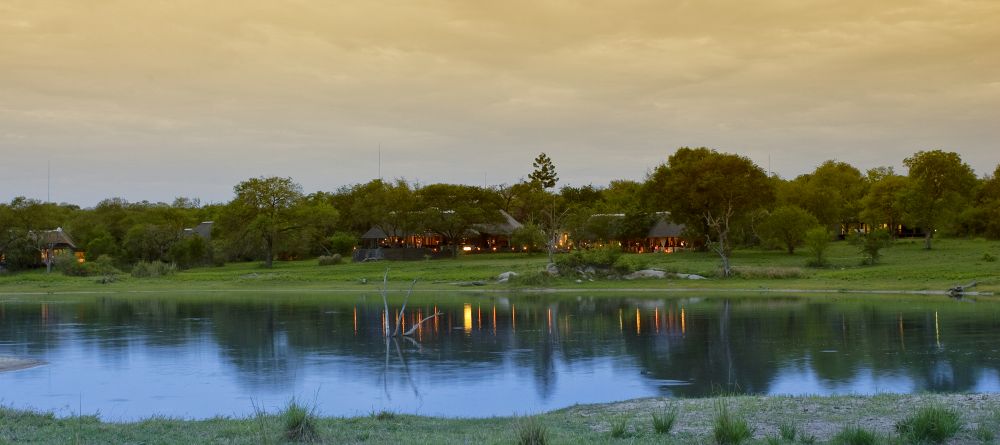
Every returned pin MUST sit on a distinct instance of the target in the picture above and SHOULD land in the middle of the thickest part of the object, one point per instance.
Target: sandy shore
(14, 363)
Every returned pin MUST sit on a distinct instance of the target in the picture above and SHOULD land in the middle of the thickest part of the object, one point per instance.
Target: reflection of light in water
(549, 316)
(637, 322)
(435, 319)
(355, 320)
(479, 316)
(937, 330)
(656, 318)
(683, 322)
(494, 319)
(513, 318)
(467, 313)
(621, 321)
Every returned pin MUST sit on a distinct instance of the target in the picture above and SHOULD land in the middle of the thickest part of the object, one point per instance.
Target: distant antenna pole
(380, 161)
(48, 181)
(769, 165)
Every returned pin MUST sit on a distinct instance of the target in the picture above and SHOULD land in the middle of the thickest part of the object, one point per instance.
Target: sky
(150, 100)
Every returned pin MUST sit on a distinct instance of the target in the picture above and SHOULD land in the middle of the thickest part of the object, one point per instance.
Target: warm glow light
(467, 248)
(683, 322)
(621, 321)
(549, 314)
(355, 320)
(637, 321)
(467, 312)
(513, 317)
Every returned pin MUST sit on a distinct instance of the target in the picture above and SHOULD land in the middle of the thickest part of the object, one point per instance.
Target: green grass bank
(905, 266)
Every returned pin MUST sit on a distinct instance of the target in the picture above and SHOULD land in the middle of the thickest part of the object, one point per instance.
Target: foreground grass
(819, 418)
(905, 266)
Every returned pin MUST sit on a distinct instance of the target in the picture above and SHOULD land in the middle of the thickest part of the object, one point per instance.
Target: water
(200, 356)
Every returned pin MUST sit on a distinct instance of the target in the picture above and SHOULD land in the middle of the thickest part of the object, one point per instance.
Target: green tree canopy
(263, 210)
(940, 186)
(544, 173)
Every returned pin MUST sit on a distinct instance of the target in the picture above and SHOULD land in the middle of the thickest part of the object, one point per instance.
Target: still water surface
(191, 356)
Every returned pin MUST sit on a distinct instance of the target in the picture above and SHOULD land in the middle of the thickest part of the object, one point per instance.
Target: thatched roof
(378, 233)
(665, 229)
(506, 226)
(55, 238)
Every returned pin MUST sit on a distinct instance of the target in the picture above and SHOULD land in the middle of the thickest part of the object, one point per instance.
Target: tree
(544, 173)
(529, 237)
(264, 210)
(389, 206)
(870, 244)
(787, 226)
(453, 210)
(708, 191)
(941, 184)
(883, 204)
(817, 240)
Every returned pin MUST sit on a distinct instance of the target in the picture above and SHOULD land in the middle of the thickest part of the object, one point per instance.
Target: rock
(505, 277)
(645, 273)
(579, 281)
(689, 276)
(589, 270)
(472, 283)
(552, 269)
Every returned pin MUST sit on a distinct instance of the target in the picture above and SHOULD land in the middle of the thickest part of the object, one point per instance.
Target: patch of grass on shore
(825, 418)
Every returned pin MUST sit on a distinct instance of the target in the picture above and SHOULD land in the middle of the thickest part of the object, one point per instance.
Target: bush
(817, 240)
(342, 243)
(530, 236)
(598, 258)
(989, 258)
(750, 272)
(146, 269)
(626, 264)
(931, 424)
(871, 244)
(330, 260)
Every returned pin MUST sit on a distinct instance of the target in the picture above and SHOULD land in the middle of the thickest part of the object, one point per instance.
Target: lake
(197, 356)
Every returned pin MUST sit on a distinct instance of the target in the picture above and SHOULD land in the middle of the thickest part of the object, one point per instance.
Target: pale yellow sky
(155, 99)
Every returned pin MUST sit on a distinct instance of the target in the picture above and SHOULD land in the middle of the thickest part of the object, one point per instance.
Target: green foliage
(856, 435)
(68, 264)
(530, 236)
(384, 415)
(728, 429)
(530, 431)
(342, 243)
(189, 252)
(330, 260)
(871, 244)
(663, 421)
(787, 226)
(103, 244)
(626, 264)
(153, 269)
(941, 185)
(598, 258)
(989, 258)
(930, 424)
(817, 240)
(263, 212)
(984, 434)
(299, 423)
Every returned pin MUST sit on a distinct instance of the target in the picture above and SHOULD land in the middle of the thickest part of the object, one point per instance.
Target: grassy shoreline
(821, 418)
(905, 267)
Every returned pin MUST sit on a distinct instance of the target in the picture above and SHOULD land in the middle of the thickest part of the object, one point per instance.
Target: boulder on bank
(689, 276)
(505, 277)
(552, 269)
(645, 273)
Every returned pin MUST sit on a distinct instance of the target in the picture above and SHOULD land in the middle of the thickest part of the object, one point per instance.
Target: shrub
(871, 244)
(767, 272)
(529, 431)
(989, 258)
(538, 278)
(330, 260)
(663, 422)
(855, 435)
(530, 236)
(69, 265)
(787, 226)
(629, 263)
(300, 423)
(817, 240)
(729, 429)
(598, 258)
(787, 432)
(146, 269)
(933, 424)
(342, 243)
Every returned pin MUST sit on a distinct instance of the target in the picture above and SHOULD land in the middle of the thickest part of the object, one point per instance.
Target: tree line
(724, 200)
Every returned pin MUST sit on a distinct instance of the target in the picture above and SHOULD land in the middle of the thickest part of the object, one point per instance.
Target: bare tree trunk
(927, 239)
(269, 253)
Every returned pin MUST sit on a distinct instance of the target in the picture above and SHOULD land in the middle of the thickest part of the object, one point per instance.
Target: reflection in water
(201, 357)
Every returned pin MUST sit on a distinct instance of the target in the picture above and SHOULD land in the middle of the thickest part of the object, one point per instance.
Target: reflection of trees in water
(719, 345)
